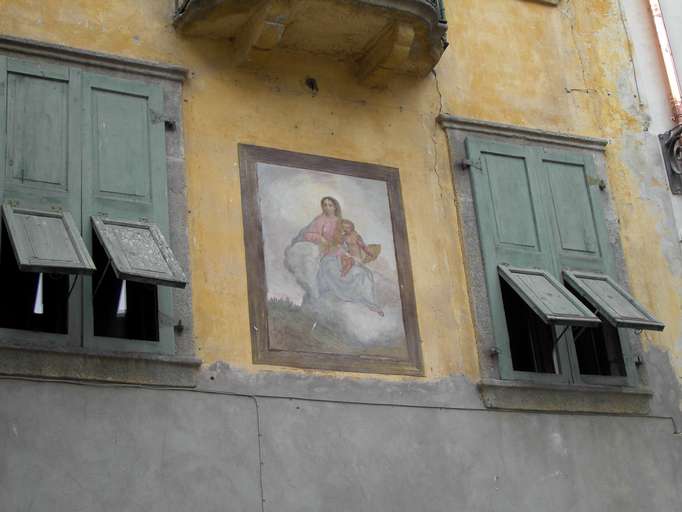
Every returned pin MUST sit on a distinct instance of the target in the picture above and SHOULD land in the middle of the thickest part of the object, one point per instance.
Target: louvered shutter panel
(124, 177)
(41, 164)
(574, 207)
(512, 224)
(40, 172)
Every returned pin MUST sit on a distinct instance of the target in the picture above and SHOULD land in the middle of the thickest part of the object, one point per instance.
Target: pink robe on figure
(322, 227)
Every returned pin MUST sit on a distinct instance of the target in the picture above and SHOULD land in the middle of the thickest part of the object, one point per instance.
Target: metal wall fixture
(671, 145)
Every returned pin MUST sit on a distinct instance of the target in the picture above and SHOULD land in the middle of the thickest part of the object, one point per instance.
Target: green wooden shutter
(513, 229)
(574, 206)
(612, 301)
(46, 241)
(40, 161)
(139, 252)
(3, 124)
(124, 177)
(547, 297)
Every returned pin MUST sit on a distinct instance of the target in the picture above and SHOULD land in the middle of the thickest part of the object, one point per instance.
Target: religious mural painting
(330, 283)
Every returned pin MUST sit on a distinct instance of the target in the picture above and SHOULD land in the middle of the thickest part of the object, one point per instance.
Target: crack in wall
(571, 17)
(433, 133)
(260, 454)
(631, 56)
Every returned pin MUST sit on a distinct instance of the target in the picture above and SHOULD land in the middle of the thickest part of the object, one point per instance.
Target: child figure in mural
(353, 248)
(343, 254)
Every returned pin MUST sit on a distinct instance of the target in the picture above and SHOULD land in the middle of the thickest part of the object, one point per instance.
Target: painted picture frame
(328, 264)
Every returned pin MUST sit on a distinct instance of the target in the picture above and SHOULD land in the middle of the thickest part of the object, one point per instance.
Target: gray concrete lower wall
(73, 448)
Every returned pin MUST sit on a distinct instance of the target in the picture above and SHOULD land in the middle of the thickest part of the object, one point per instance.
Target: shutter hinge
(168, 122)
(13, 203)
(467, 164)
(56, 208)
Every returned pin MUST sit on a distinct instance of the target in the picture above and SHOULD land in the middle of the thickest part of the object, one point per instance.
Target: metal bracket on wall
(671, 145)
(467, 164)
(169, 123)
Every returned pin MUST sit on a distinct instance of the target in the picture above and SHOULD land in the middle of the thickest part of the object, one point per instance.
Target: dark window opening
(598, 348)
(531, 341)
(18, 296)
(140, 321)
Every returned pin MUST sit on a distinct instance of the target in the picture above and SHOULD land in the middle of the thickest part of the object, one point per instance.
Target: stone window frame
(516, 394)
(180, 368)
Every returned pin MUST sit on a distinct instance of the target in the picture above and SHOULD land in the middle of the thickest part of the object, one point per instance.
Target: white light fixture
(38, 302)
(122, 308)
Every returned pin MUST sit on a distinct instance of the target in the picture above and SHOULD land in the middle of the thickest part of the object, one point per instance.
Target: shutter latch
(467, 164)
(168, 122)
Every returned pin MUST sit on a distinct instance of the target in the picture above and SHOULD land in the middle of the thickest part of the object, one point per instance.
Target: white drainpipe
(668, 60)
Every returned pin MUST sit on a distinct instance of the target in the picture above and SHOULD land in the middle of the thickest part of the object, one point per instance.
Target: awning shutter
(616, 305)
(139, 252)
(46, 241)
(547, 297)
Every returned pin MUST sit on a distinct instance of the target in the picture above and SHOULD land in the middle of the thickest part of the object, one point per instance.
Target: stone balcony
(381, 37)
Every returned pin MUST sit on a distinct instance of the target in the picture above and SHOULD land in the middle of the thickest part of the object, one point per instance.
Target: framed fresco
(328, 264)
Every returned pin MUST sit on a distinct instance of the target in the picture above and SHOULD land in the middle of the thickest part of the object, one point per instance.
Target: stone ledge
(526, 396)
(465, 124)
(100, 60)
(126, 368)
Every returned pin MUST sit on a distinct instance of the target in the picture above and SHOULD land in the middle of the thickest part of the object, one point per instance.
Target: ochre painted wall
(564, 68)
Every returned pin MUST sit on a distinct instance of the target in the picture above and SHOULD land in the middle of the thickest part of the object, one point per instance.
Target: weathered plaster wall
(564, 68)
(655, 102)
(311, 456)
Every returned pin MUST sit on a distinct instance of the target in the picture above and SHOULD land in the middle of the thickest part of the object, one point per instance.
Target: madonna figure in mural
(350, 303)
(342, 255)
(327, 288)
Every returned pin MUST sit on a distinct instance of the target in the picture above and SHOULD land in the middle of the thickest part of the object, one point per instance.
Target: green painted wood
(139, 252)
(37, 130)
(124, 178)
(547, 297)
(575, 209)
(3, 127)
(612, 301)
(513, 230)
(45, 241)
(572, 207)
(40, 167)
(42, 161)
(510, 191)
(120, 121)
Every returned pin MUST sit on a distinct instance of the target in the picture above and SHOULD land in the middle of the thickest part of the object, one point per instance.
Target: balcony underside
(382, 37)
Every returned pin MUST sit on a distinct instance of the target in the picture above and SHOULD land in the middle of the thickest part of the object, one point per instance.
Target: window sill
(527, 396)
(74, 364)
(547, 2)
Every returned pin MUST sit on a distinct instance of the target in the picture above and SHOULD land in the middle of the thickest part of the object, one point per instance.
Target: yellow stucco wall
(510, 61)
